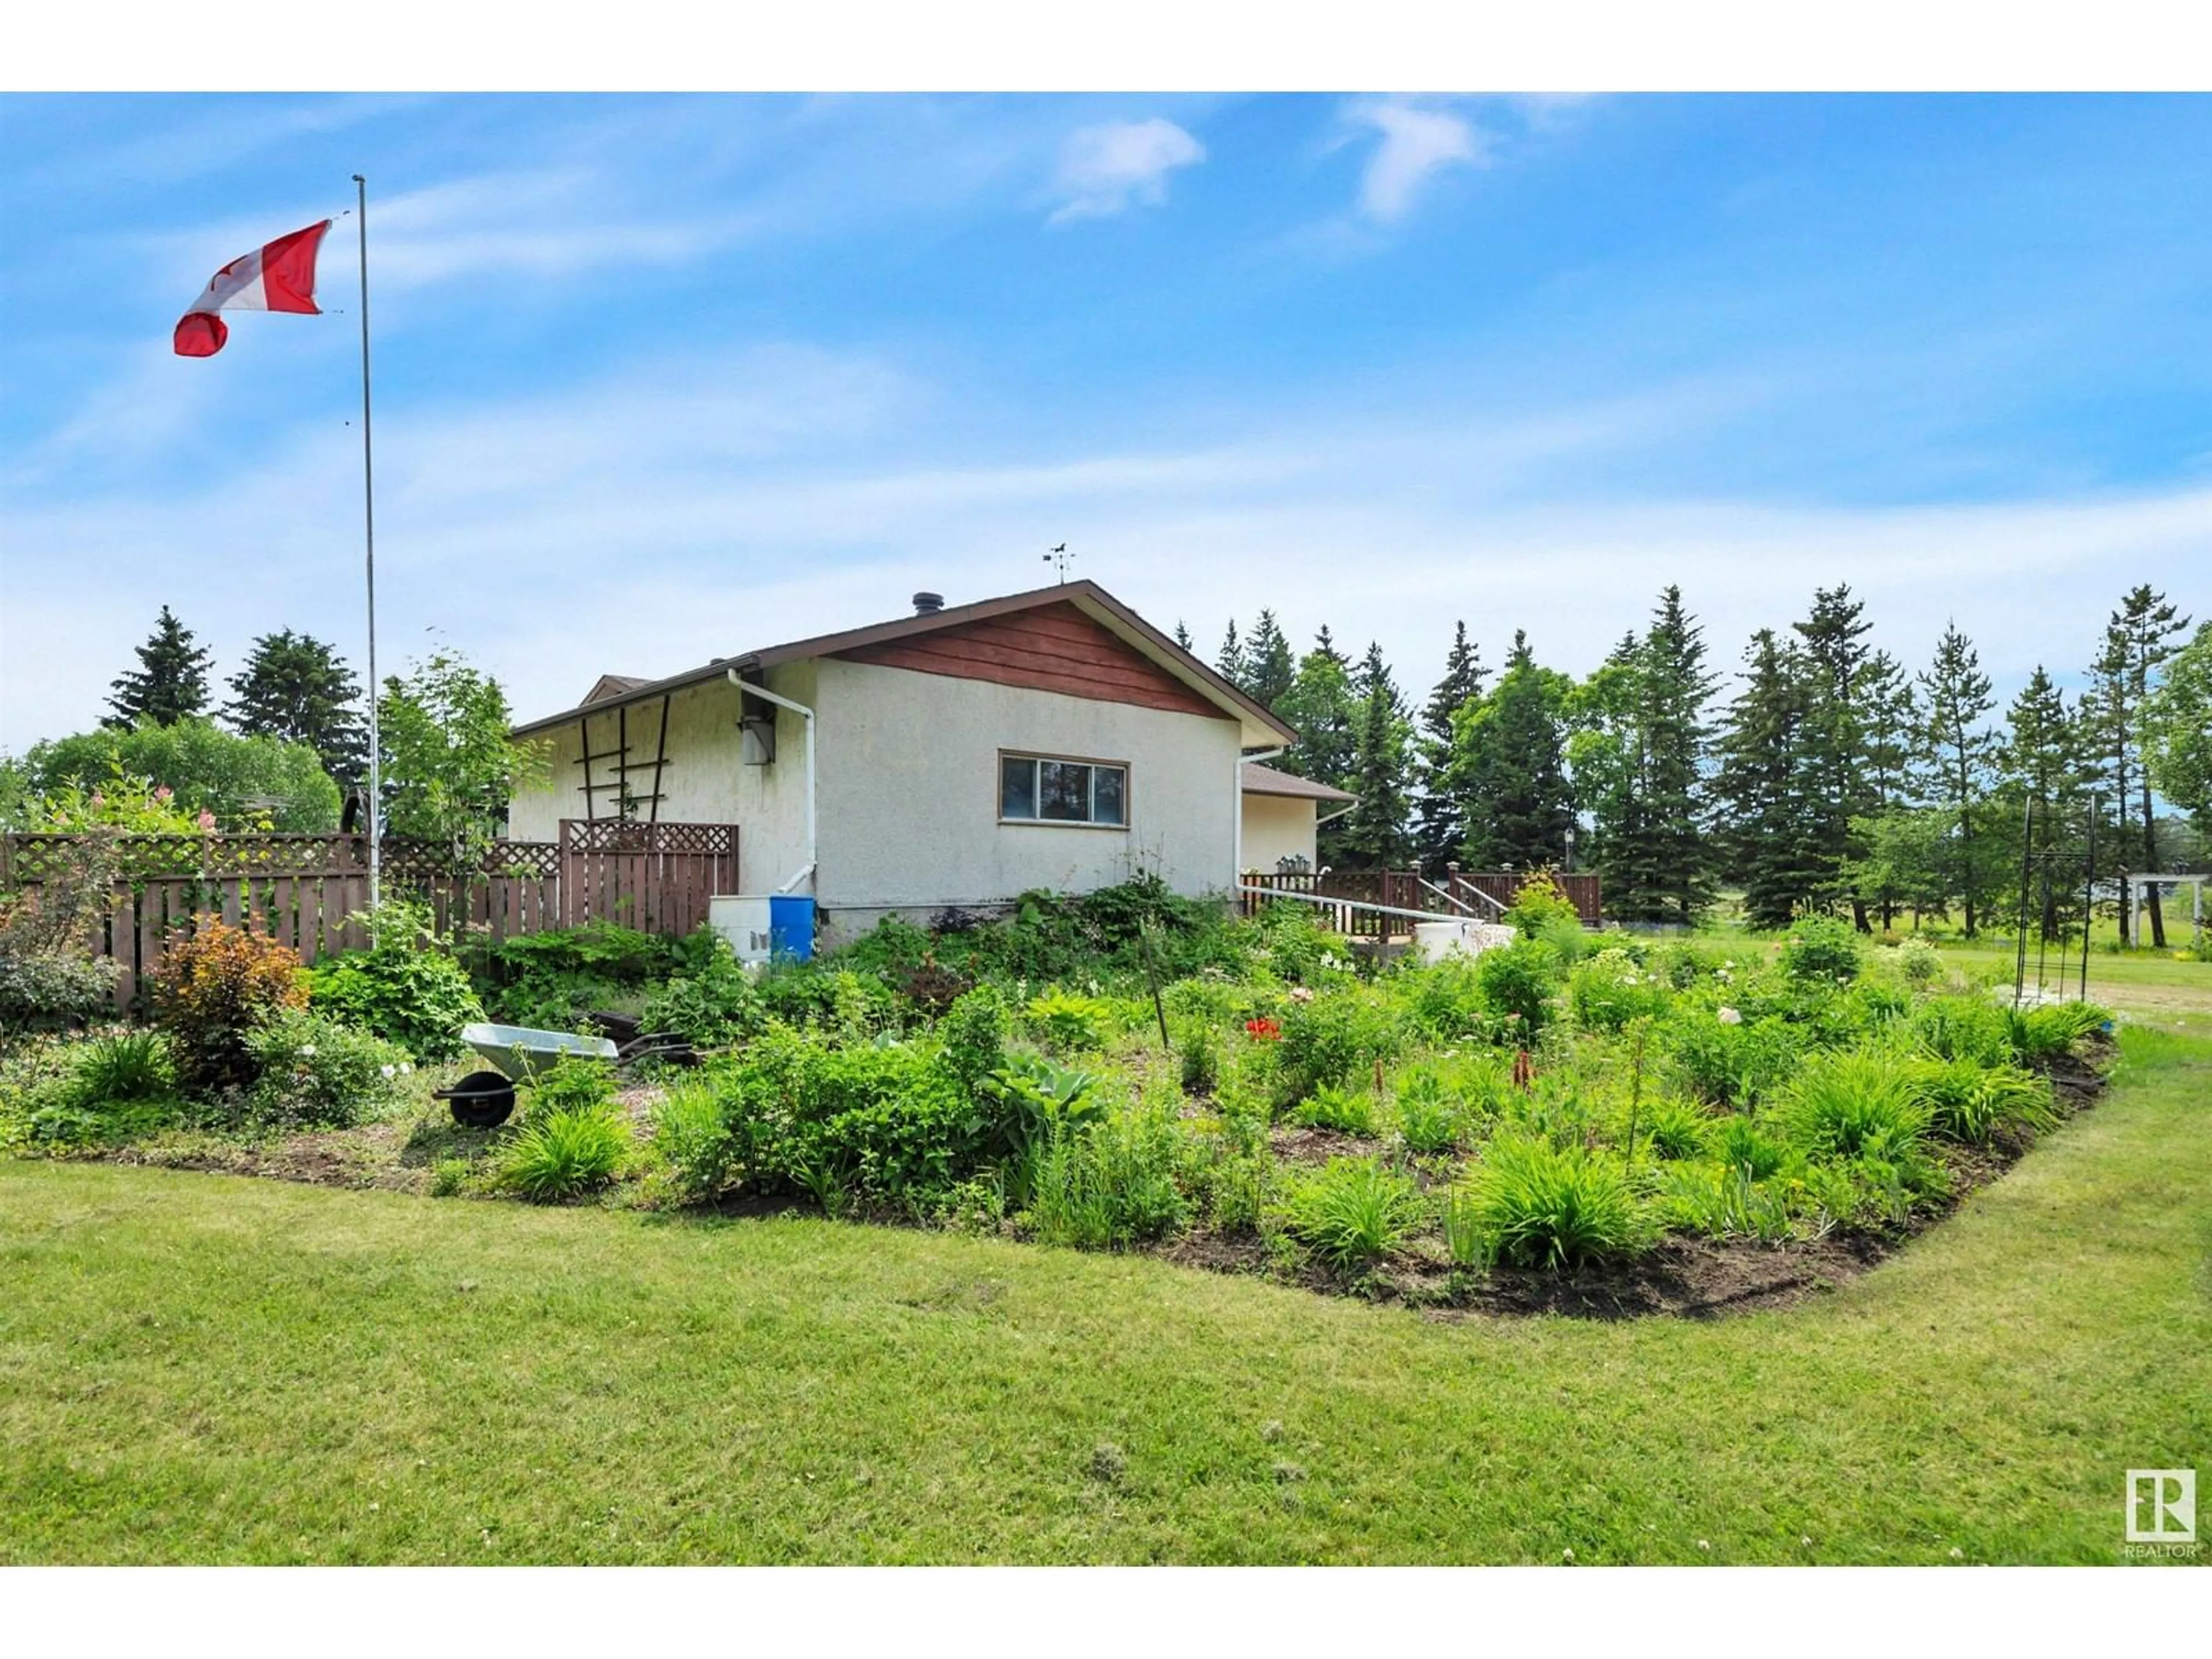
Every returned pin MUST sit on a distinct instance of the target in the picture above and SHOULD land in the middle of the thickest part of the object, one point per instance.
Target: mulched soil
(1683, 1278)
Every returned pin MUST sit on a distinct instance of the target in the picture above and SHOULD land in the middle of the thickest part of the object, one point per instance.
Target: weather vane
(1059, 556)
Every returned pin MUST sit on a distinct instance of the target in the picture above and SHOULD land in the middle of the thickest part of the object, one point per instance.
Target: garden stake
(1635, 1091)
(1152, 978)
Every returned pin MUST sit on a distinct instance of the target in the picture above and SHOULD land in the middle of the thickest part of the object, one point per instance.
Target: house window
(1041, 789)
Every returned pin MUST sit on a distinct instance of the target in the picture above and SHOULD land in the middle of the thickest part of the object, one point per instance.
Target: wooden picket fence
(307, 891)
(1483, 895)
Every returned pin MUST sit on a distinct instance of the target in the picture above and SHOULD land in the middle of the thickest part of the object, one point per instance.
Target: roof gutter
(746, 688)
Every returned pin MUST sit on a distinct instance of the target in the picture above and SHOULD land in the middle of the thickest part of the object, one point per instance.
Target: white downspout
(747, 690)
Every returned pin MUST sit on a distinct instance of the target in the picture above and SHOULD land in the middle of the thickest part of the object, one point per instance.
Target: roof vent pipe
(928, 604)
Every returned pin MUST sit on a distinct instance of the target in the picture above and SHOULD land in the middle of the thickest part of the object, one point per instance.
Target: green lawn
(206, 1368)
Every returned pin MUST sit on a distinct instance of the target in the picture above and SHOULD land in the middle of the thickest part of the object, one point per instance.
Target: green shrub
(713, 1005)
(1608, 990)
(1518, 983)
(1821, 951)
(1444, 998)
(1532, 1205)
(1198, 1058)
(1858, 1103)
(545, 978)
(1334, 1039)
(317, 1072)
(1918, 963)
(1748, 1151)
(406, 988)
(1723, 1202)
(212, 992)
(1674, 1128)
(51, 990)
(115, 1089)
(1352, 1210)
(564, 1153)
(974, 1033)
(852, 1006)
(1967, 1102)
(691, 1138)
(1107, 1184)
(1969, 1028)
(1541, 912)
(1066, 1021)
(1347, 1111)
(571, 1083)
(890, 1122)
(2037, 1036)
(1045, 1100)
(129, 1065)
(1430, 1121)
(892, 949)
(1728, 1062)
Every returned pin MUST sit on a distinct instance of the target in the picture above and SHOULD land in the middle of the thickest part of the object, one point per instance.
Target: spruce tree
(1230, 663)
(2138, 638)
(1509, 765)
(1608, 763)
(1958, 750)
(1441, 826)
(1838, 778)
(1182, 635)
(1772, 820)
(1320, 707)
(296, 688)
(1675, 689)
(170, 683)
(1376, 834)
(1269, 668)
(2039, 764)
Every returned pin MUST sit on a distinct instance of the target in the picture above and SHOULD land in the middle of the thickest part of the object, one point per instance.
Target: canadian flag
(278, 277)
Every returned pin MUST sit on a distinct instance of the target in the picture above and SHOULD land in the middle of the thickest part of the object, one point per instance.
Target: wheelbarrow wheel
(482, 1100)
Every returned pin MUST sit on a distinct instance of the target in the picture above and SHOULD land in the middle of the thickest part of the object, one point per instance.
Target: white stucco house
(1283, 816)
(953, 757)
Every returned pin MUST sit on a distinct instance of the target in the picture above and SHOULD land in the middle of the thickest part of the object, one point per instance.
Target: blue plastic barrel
(790, 925)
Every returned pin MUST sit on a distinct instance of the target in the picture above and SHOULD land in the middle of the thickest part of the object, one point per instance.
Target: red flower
(1263, 1030)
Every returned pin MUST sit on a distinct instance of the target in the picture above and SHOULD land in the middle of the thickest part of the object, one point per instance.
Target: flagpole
(368, 526)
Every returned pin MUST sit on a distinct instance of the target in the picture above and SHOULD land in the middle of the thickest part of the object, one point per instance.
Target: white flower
(405, 1069)
(392, 1071)
(1628, 979)
(1729, 1016)
(1566, 1555)
(1704, 1543)
(307, 1051)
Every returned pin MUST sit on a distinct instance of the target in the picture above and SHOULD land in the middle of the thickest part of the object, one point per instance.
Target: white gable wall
(704, 781)
(908, 781)
(909, 803)
(1276, 826)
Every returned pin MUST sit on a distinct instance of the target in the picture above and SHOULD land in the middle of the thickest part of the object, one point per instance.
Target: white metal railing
(1343, 903)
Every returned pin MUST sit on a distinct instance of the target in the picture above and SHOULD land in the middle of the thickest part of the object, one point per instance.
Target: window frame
(1034, 756)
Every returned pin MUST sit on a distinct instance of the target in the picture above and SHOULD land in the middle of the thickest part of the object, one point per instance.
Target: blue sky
(658, 378)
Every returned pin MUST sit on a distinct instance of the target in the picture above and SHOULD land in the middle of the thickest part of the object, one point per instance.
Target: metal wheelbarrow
(484, 1100)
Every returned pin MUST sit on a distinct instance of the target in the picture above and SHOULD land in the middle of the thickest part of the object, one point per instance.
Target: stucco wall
(906, 774)
(909, 803)
(1275, 826)
(704, 781)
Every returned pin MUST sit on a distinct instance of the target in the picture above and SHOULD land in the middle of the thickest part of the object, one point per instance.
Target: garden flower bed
(1585, 1123)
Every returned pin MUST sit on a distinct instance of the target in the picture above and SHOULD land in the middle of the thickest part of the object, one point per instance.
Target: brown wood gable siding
(1052, 648)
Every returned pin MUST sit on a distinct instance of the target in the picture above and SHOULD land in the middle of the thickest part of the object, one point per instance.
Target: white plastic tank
(742, 919)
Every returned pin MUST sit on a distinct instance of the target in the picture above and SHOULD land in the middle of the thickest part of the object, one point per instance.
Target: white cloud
(644, 523)
(1417, 141)
(1105, 169)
